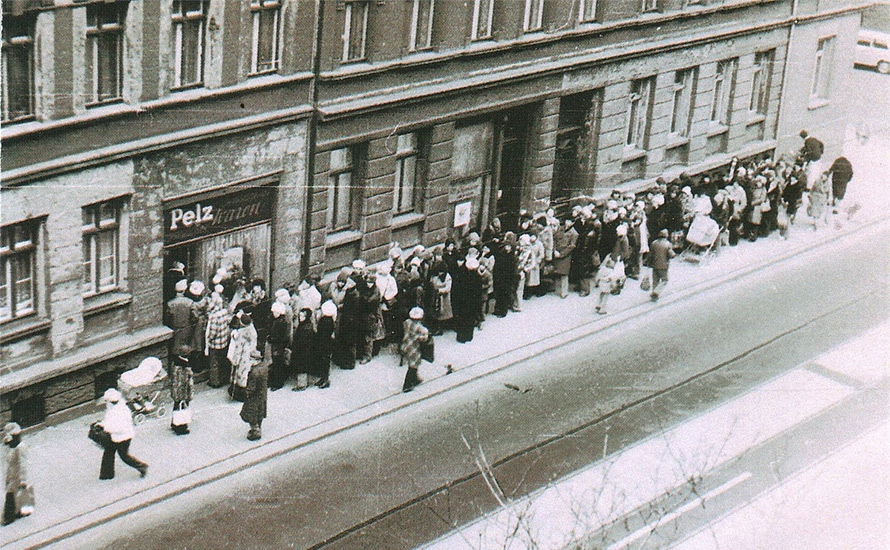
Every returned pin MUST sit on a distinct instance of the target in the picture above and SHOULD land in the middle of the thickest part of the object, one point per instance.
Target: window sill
(404, 220)
(355, 60)
(715, 129)
(675, 140)
(633, 154)
(755, 118)
(16, 329)
(341, 238)
(97, 303)
(258, 74)
(817, 103)
(95, 106)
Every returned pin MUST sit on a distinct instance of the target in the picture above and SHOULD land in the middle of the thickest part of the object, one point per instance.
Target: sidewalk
(63, 464)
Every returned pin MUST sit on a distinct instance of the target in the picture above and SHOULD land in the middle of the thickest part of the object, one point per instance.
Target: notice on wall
(462, 213)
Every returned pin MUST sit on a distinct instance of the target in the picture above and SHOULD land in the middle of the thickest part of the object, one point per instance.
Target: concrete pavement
(216, 447)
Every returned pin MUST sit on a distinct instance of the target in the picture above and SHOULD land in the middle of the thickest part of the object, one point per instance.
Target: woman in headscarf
(182, 387)
(279, 344)
(349, 330)
(415, 336)
(323, 343)
(818, 199)
(440, 283)
(19, 495)
(242, 350)
(118, 422)
(302, 348)
(466, 299)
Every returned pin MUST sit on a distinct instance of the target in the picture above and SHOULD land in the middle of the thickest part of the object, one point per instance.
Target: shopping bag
(428, 350)
(645, 283)
(24, 500)
(99, 436)
(182, 416)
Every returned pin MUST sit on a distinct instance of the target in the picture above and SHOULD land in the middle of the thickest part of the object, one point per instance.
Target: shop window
(105, 50)
(189, 18)
(422, 13)
(265, 44)
(587, 11)
(344, 188)
(638, 111)
(18, 67)
(682, 101)
(721, 100)
(761, 81)
(410, 172)
(483, 13)
(355, 30)
(29, 411)
(101, 247)
(18, 263)
(534, 15)
(822, 72)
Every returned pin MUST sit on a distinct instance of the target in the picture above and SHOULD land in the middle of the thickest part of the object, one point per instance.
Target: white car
(873, 50)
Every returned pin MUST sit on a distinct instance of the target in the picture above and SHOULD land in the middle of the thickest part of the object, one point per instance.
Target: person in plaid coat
(216, 341)
(415, 336)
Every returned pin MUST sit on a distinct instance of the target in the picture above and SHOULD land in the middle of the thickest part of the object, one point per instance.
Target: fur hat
(416, 313)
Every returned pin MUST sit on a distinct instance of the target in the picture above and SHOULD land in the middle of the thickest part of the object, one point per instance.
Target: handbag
(645, 283)
(182, 416)
(24, 500)
(99, 436)
(428, 350)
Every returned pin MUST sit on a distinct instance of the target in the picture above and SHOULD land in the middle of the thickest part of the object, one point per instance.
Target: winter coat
(14, 460)
(621, 250)
(536, 260)
(758, 199)
(240, 354)
(466, 294)
(323, 345)
(118, 421)
(546, 240)
(415, 335)
(442, 295)
(302, 348)
(179, 318)
(279, 335)
(181, 380)
(254, 409)
(660, 253)
(564, 243)
(505, 275)
(371, 312)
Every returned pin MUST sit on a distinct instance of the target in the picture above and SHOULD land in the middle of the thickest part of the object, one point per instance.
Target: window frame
(647, 6)
(179, 20)
(94, 34)
(92, 232)
(722, 93)
(427, 43)
(761, 81)
(351, 166)
(638, 114)
(12, 248)
(19, 42)
(533, 19)
(824, 59)
(587, 11)
(475, 27)
(347, 54)
(418, 150)
(257, 7)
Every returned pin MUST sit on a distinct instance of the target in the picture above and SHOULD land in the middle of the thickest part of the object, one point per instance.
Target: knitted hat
(472, 263)
(282, 295)
(278, 308)
(329, 309)
(112, 395)
(358, 264)
(181, 285)
(196, 288)
(416, 313)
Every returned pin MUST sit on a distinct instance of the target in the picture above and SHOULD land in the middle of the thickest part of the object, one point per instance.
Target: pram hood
(150, 370)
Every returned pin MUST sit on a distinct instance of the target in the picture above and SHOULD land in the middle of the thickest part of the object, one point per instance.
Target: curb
(377, 409)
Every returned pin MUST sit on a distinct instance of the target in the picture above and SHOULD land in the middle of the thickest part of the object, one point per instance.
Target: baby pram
(702, 238)
(142, 387)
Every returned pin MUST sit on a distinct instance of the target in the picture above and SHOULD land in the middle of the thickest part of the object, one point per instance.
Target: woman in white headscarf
(118, 422)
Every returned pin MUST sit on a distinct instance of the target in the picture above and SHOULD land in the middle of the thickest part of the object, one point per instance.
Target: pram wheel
(138, 419)
(161, 412)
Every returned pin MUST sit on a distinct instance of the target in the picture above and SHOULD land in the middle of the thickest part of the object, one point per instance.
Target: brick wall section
(378, 199)
(611, 139)
(542, 151)
(660, 124)
(435, 202)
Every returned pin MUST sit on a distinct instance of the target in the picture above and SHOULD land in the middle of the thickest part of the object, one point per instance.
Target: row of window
(18, 258)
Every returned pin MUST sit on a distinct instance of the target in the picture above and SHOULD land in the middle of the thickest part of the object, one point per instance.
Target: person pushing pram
(142, 388)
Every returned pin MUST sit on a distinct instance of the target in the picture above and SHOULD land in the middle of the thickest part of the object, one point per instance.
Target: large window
(188, 42)
(355, 30)
(534, 15)
(18, 259)
(684, 82)
(638, 109)
(422, 13)
(760, 81)
(822, 72)
(483, 12)
(105, 50)
(342, 189)
(265, 46)
(101, 247)
(587, 11)
(721, 101)
(409, 173)
(18, 67)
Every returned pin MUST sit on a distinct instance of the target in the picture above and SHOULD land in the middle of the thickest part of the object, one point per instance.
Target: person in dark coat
(323, 343)
(505, 277)
(370, 325)
(660, 253)
(302, 348)
(493, 234)
(564, 241)
(812, 148)
(349, 330)
(841, 173)
(466, 298)
(179, 318)
(279, 342)
(254, 409)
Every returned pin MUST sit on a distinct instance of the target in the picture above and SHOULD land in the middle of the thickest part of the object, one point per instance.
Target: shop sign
(464, 190)
(214, 215)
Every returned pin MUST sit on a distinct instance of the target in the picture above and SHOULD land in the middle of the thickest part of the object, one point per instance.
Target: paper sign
(462, 213)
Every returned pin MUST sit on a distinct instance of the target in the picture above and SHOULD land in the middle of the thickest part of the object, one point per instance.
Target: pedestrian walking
(323, 344)
(181, 389)
(841, 173)
(256, 396)
(118, 422)
(660, 253)
(19, 500)
(241, 354)
(216, 340)
(415, 336)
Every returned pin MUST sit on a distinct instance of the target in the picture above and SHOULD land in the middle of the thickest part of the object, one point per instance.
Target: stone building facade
(302, 135)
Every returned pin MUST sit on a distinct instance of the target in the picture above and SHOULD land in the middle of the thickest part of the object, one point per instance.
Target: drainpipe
(782, 103)
(311, 132)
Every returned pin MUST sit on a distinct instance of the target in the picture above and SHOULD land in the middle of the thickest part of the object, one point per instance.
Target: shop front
(226, 231)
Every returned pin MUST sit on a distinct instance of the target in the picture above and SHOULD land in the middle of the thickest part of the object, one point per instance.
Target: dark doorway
(569, 166)
(515, 128)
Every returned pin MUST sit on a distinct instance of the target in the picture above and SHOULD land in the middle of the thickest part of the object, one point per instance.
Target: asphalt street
(406, 478)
